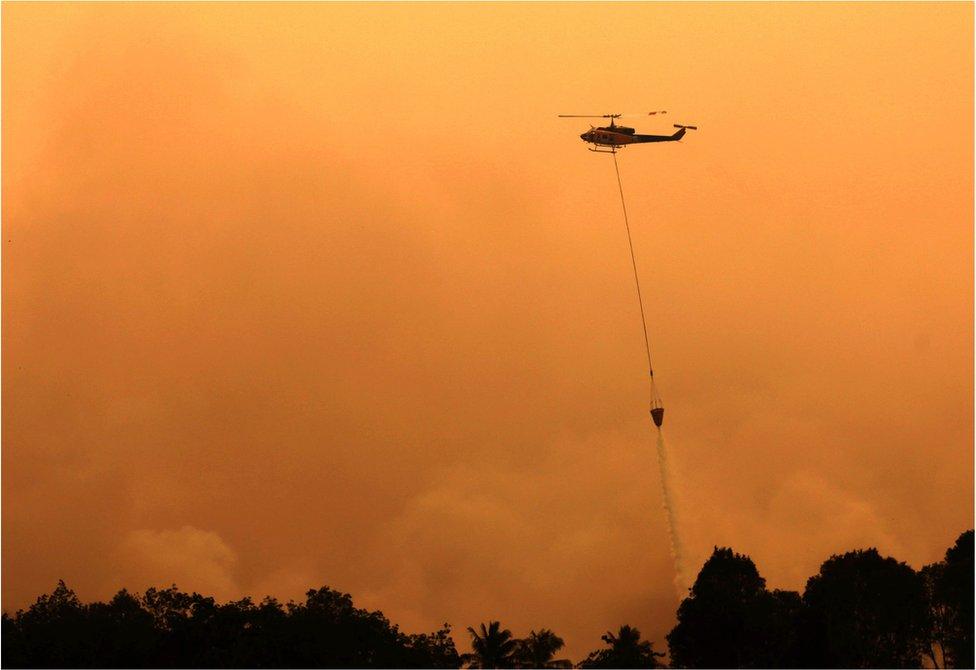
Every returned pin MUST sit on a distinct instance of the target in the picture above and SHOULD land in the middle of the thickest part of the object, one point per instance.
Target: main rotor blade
(608, 116)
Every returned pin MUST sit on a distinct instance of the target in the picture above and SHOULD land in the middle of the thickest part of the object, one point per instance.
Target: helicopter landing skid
(604, 151)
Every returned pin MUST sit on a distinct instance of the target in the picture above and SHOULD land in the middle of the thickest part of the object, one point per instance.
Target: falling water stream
(670, 508)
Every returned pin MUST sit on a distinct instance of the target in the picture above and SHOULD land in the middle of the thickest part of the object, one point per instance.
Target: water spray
(671, 510)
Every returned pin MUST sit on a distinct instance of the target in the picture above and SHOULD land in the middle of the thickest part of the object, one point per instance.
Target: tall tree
(538, 650)
(625, 650)
(949, 588)
(123, 633)
(865, 611)
(730, 620)
(941, 617)
(494, 647)
(53, 632)
(432, 650)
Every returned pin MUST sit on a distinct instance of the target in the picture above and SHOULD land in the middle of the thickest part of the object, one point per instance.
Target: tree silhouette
(865, 611)
(493, 648)
(941, 620)
(51, 633)
(730, 620)
(626, 650)
(956, 589)
(949, 587)
(538, 651)
(860, 611)
(123, 633)
(170, 628)
(432, 650)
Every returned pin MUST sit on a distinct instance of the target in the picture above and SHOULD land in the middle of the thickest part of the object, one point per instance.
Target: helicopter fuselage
(618, 136)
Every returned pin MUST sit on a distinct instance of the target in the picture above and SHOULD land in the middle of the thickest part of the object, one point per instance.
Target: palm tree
(538, 649)
(494, 648)
(627, 650)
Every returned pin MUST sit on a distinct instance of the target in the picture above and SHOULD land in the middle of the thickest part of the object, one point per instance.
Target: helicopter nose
(583, 136)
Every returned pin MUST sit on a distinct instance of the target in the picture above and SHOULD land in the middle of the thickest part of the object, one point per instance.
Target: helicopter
(608, 139)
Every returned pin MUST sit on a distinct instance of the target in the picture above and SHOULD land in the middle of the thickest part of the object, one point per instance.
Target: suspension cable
(633, 260)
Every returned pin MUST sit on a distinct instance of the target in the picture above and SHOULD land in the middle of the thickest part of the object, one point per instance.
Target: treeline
(861, 610)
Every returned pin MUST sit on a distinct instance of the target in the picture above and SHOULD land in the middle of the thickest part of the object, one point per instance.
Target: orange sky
(326, 294)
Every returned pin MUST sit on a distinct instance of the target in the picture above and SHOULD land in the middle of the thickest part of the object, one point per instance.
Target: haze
(306, 294)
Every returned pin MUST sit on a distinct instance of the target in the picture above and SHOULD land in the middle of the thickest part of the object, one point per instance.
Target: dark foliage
(625, 649)
(956, 591)
(493, 647)
(861, 610)
(865, 611)
(538, 650)
(949, 589)
(730, 620)
(172, 629)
